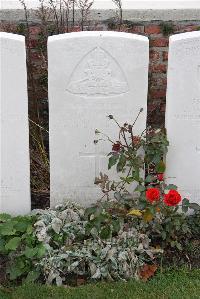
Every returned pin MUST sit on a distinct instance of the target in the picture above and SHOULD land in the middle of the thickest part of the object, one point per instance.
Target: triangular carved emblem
(98, 74)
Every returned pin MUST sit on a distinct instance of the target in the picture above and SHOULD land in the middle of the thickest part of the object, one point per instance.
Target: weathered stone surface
(14, 136)
(183, 114)
(91, 75)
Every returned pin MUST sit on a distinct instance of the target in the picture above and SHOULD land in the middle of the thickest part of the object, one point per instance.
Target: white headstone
(91, 75)
(14, 138)
(183, 114)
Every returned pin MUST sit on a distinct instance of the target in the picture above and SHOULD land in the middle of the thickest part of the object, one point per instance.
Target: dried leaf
(147, 271)
(147, 216)
(80, 281)
(135, 213)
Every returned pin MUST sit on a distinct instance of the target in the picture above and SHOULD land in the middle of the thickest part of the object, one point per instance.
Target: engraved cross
(198, 149)
(98, 157)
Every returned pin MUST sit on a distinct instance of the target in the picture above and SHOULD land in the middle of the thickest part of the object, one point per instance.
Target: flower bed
(122, 236)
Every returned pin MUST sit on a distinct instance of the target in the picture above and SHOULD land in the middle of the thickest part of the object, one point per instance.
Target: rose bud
(116, 147)
(160, 176)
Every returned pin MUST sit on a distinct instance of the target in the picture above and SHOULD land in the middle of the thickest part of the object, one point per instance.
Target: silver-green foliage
(71, 250)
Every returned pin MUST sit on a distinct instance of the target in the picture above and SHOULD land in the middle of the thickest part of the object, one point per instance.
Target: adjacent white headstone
(14, 137)
(183, 114)
(91, 75)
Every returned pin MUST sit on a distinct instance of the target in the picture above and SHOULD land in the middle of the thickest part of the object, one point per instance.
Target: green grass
(182, 284)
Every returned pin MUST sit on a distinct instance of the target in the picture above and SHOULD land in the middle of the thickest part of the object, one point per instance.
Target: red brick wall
(158, 34)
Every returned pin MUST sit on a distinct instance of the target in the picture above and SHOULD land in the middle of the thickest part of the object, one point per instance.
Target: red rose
(116, 147)
(172, 198)
(160, 177)
(153, 194)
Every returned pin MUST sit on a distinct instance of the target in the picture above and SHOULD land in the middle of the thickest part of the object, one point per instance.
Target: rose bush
(154, 207)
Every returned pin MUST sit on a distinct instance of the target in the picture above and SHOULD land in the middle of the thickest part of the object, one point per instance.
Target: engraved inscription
(187, 48)
(198, 149)
(98, 74)
(193, 113)
(191, 194)
(198, 78)
(185, 116)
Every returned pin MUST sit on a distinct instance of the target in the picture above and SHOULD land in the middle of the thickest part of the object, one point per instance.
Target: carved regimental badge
(98, 74)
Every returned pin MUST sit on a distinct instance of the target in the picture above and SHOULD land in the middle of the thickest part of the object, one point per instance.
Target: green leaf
(7, 228)
(13, 243)
(32, 276)
(2, 245)
(16, 270)
(30, 252)
(116, 225)
(112, 161)
(41, 250)
(136, 174)
(173, 243)
(149, 178)
(178, 245)
(4, 217)
(105, 232)
(194, 206)
(117, 196)
(156, 159)
(185, 205)
(29, 229)
(142, 204)
(160, 167)
(122, 162)
(89, 211)
(171, 187)
(140, 188)
(185, 202)
(128, 180)
(163, 235)
(21, 226)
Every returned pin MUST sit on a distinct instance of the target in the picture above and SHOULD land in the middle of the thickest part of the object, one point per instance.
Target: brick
(137, 29)
(163, 106)
(157, 93)
(159, 42)
(165, 55)
(187, 28)
(34, 30)
(75, 29)
(158, 82)
(123, 28)
(191, 28)
(154, 55)
(35, 55)
(158, 68)
(32, 43)
(152, 29)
